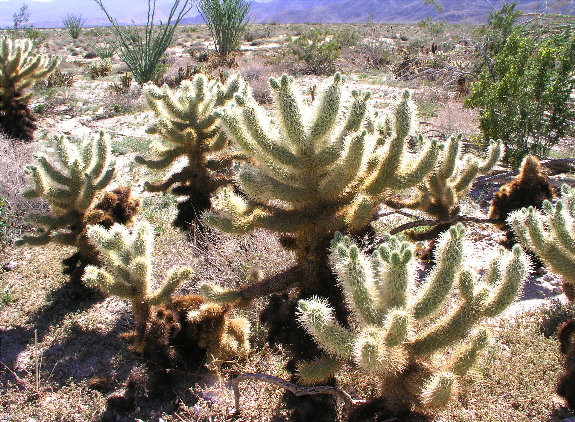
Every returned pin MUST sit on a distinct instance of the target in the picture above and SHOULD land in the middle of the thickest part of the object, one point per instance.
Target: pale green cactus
(315, 169)
(440, 194)
(128, 261)
(550, 234)
(20, 69)
(70, 188)
(189, 130)
(400, 328)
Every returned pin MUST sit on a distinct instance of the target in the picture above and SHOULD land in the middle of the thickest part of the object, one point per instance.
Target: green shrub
(317, 50)
(73, 23)
(143, 53)
(227, 21)
(524, 89)
(105, 50)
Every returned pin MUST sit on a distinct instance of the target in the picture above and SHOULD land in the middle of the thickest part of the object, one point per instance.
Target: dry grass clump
(14, 156)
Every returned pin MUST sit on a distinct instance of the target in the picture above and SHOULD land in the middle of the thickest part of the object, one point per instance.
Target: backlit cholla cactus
(128, 261)
(551, 235)
(442, 190)
(70, 181)
(189, 129)
(400, 329)
(20, 68)
(315, 169)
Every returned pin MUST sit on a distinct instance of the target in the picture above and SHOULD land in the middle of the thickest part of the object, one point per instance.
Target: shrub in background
(317, 50)
(400, 326)
(143, 54)
(101, 68)
(524, 90)
(20, 69)
(73, 24)
(227, 21)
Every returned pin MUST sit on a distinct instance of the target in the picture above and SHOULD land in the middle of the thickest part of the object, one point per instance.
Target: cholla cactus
(400, 328)
(550, 234)
(315, 170)
(128, 259)
(189, 130)
(70, 189)
(20, 68)
(442, 190)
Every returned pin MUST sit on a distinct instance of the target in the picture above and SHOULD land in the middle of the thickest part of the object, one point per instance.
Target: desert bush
(524, 89)
(189, 129)
(399, 329)
(317, 50)
(227, 21)
(143, 54)
(57, 79)
(20, 69)
(73, 24)
(101, 68)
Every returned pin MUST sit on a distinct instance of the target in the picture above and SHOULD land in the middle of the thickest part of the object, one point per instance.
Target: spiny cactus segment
(550, 234)
(127, 258)
(398, 327)
(189, 129)
(20, 69)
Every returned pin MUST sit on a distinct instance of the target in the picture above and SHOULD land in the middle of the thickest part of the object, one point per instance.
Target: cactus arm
(167, 157)
(394, 269)
(289, 113)
(494, 154)
(507, 290)
(264, 188)
(441, 279)
(318, 319)
(219, 295)
(105, 179)
(355, 273)
(562, 230)
(175, 277)
(327, 113)
(358, 111)
(466, 355)
(439, 390)
(319, 370)
(407, 178)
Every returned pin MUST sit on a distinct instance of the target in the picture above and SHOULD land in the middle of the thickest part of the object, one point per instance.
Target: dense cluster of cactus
(189, 129)
(550, 234)
(177, 323)
(20, 68)
(71, 182)
(398, 327)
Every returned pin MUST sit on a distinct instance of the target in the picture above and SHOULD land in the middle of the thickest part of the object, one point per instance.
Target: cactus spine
(550, 234)
(188, 129)
(128, 274)
(20, 68)
(398, 327)
(315, 170)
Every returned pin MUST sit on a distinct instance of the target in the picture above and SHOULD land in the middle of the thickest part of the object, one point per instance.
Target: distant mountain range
(49, 13)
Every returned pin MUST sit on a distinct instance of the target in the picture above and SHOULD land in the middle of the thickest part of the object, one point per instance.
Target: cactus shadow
(66, 299)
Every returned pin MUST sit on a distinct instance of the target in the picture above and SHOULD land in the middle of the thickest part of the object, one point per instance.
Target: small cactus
(550, 234)
(398, 327)
(188, 129)
(20, 69)
(72, 181)
(127, 260)
(442, 190)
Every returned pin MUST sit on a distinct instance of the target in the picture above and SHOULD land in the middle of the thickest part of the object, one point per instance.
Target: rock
(10, 265)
